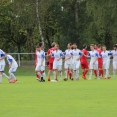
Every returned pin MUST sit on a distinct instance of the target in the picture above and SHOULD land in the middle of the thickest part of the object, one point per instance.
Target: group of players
(12, 67)
(74, 58)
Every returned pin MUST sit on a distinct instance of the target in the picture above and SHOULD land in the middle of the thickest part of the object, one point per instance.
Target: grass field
(29, 98)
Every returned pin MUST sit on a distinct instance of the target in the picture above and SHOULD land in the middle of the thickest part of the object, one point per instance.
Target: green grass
(29, 98)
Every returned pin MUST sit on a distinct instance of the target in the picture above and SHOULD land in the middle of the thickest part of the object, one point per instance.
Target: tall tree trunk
(76, 20)
(38, 19)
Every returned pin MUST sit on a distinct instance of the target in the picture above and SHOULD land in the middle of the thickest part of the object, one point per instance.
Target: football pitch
(30, 98)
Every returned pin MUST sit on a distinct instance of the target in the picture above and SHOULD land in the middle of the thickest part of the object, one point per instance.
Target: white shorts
(2, 68)
(76, 65)
(68, 66)
(39, 68)
(13, 69)
(114, 65)
(106, 65)
(58, 67)
(93, 66)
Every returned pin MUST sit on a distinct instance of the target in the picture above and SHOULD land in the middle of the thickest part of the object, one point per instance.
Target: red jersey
(99, 52)
(35, 62)
(51, 59)
(84, 58)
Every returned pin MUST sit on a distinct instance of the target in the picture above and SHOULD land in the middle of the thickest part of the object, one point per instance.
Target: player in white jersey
(40, 67)
(94, 61)
(12, 67)
(106, 61)
(76, 61)
(2, 66)
(68, 62)
(114, 54)
(57, 63)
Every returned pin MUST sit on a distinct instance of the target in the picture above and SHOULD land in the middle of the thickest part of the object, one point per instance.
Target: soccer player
(68, 62)
(114, 54)
(106, 61)
(76, 61)
(57, 64)
(35, 62)
(84, 62)
(2, 66)
(51, 59)
(100, 61)
(12, 67)
(94, 61)
(40, 67)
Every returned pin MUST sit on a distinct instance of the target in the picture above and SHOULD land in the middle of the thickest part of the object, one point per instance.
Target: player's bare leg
(107, 76)
(55, 74)
(85, 71)
(77, 74)
(60, 73)
(66, 74)
(71, 74)
(8, 78)
(49, 72)
(90, 74)
(95, 73)
(101, 72)
(42, 76)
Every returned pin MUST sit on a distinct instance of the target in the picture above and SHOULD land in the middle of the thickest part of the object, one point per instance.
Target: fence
(23, 57)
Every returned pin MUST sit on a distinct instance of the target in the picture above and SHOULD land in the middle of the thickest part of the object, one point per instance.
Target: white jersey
(76, 54)
(40, 56)
(2, 54)
(94, 56)
(57, 54)
(10, 59)
(114, 54)
(105, 56)
(68, 53)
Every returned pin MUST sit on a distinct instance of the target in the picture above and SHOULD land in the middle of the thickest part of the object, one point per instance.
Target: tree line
(24, 23)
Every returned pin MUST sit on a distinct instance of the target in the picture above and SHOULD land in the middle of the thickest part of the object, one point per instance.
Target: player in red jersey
(51, 59)
(84, 62)
(100, 61)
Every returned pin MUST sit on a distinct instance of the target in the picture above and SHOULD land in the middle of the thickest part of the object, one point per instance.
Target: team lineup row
(73, 59)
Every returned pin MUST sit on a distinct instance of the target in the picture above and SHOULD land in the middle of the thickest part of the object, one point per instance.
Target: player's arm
(69, 57)
(96, 58)
(48, 54)
(110, 54)
(85, 53)
(61, 56)
(10, 61)
(52, 55)
(3, 56)
(43, 56)
(89, 55)
(100, 56)
(80, 54)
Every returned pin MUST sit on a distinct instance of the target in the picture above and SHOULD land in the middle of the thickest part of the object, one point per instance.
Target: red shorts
(84, 65)
(100, 65)
(50, 66)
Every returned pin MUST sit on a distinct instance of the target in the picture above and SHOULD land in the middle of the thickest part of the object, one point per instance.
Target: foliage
(63, 21)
